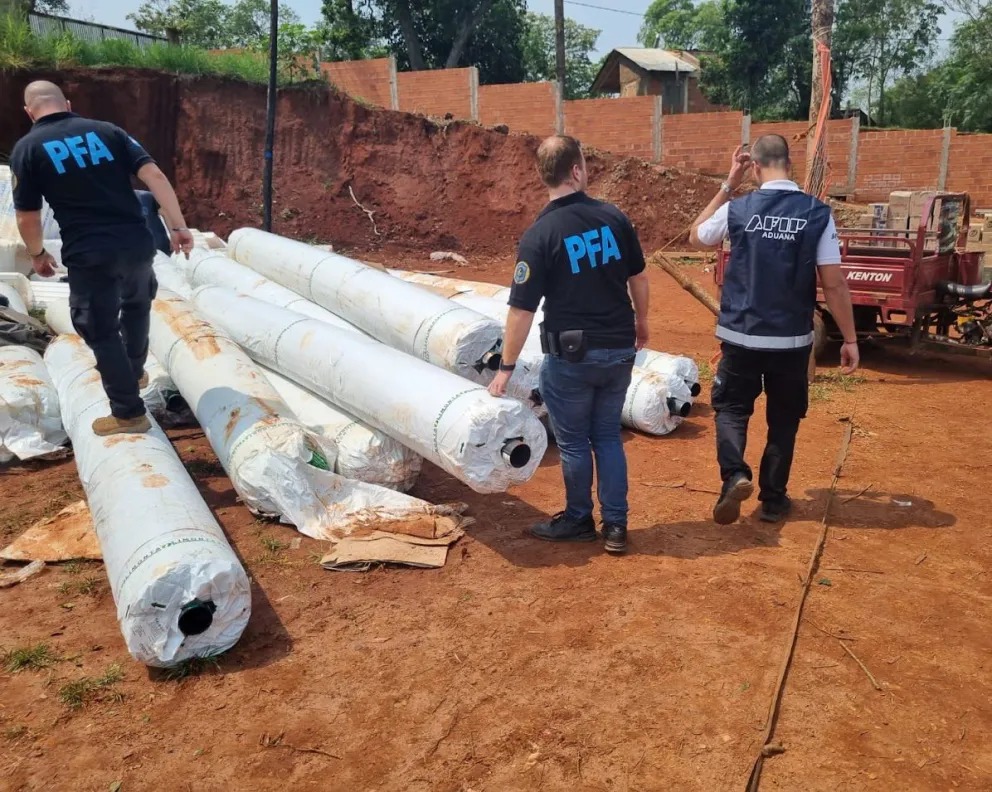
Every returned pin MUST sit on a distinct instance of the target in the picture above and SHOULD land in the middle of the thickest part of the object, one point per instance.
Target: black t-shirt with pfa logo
(83, 169)
(578, 256)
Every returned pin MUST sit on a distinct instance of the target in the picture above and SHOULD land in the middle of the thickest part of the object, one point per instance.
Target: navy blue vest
(769, 286)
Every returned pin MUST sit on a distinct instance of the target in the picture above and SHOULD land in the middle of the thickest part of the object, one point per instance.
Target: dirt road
(526, 666)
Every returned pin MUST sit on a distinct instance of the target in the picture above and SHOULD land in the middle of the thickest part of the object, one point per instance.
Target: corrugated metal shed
(660, 60)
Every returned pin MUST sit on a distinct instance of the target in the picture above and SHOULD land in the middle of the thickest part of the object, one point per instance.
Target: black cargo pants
(740, 378)
(110, 298)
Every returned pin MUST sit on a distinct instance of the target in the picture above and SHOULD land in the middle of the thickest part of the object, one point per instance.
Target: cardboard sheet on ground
(68, 536)
(358, 553)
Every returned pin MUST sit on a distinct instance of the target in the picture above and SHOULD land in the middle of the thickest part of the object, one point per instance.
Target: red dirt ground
(526, 666)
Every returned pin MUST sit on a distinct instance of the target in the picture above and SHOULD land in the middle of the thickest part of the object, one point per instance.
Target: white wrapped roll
(684, 368)
(406, 318)
(208, 268)
(654, 404)
(276, 466)
(488, 443)
(14, 301)
(30, 421)
(161, 395)
(179, 588)
(170, 276)
(363, 453)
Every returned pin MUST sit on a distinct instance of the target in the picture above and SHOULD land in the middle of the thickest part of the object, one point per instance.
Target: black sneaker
(615, 538)
(776, 510)
(737, 490)
(564, 529)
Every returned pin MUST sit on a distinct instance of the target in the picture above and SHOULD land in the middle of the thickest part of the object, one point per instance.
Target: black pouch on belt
(573, 345)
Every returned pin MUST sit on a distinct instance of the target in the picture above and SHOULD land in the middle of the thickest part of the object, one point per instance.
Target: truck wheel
(819, 334)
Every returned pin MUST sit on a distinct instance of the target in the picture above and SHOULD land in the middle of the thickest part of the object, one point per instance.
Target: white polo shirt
(714, 230)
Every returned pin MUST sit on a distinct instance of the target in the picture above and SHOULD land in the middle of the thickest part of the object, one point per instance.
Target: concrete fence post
(656, 130)
(945, 157)
(559, 109)
(394, 85)
(473, 92)
(852, 159)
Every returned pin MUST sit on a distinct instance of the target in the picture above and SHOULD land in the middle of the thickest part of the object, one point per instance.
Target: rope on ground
(767, 748)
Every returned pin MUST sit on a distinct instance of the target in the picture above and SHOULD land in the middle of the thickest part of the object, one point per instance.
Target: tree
(886, 39)
(209, 23)
(247, 22)
(755, 55)
(679, 24)
(350, 34)
(539, 54)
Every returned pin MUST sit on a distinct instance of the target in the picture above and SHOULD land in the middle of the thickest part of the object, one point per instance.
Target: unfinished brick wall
(897, 160)
(367, 80)
(523, 107)
(700, 142)
(436, 93)
(970, 168)
(623, 126)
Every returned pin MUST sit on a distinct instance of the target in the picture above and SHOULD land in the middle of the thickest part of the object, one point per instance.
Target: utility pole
(270, 115)
(560, 46)
(816, 147)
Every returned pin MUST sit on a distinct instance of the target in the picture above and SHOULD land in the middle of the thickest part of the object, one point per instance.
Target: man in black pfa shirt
(83, 168)
(583, 258)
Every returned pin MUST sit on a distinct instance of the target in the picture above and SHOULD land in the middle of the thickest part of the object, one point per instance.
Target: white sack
(488, 443)
(400, 315)
(30, 421)
(179, 588)
(14, 299)
(683, 367)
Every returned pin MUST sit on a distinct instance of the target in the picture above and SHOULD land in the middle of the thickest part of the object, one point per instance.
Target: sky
(618, 29)
(619, 26)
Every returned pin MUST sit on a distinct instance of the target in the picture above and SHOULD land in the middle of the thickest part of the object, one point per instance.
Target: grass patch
(705, 373)
(21, 48)
(195, 666)
(273, 545)
(83, 691)
(35, 658)
(831, 382)
(75, 588)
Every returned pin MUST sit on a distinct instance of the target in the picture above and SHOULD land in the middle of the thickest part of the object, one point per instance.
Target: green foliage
(680, 24)
(22, 49)
(34, 657)
(880, 40)
(539, 54)
(76, 694)
(349, 35)
(210, 24)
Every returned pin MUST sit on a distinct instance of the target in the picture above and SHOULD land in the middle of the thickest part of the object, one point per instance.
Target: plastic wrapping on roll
(179, 588)
(278, 467)
(452, 422)
(30, 420)
(396, 313)
(363, 453)
(170, 276)
(685, 368)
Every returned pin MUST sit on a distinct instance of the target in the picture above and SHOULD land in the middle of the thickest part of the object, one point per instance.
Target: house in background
(671, 74)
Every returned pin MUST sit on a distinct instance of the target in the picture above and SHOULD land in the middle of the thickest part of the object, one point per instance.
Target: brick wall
(698, 103)
(700, 143)
(367, 80)
(623, 126)
(970, 168)
(436, 93)
(897, 160)
(523, 107)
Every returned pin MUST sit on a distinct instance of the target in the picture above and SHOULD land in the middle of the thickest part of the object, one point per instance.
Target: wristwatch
(507, 366)
(39, 254)
(725, 186)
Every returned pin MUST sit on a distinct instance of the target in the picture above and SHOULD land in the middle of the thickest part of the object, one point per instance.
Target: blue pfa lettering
(84, 152)
(588, 244)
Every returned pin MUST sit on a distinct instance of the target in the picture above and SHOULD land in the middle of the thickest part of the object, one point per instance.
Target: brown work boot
(143, 382)
(111, 425)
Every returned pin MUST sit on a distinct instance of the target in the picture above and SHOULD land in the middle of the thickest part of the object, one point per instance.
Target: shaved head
(41, 97)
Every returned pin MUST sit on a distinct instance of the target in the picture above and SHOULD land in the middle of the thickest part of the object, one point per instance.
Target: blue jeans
(585, 401)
